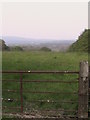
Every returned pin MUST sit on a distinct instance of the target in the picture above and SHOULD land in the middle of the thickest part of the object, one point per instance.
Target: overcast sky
(45, 20)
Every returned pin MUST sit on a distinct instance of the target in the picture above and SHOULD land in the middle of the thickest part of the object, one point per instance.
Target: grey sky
(45, 20)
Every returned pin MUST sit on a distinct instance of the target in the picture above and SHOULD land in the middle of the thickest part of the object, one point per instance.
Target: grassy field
(42, 61)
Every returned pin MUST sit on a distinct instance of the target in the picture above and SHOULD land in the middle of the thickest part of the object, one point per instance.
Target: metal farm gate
(67, 107)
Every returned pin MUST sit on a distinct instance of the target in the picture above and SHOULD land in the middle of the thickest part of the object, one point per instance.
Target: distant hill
(54, 45)
(12, 40)
(82, 43)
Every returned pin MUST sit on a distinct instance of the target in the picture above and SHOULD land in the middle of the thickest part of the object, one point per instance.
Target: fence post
(89, 94)
(83, 90)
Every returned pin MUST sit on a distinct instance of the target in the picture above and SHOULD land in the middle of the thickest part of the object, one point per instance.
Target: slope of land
(82, 43)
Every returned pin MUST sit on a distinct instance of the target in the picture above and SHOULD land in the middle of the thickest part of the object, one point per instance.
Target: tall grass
(42, 61)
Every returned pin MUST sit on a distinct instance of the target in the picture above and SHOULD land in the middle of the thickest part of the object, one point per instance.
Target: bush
(17, 48)
(45, 49)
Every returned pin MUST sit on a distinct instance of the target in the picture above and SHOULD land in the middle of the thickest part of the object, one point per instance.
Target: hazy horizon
(34, 38)
(38, 20)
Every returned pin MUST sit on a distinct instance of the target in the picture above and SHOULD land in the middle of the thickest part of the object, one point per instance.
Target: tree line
(4, 47)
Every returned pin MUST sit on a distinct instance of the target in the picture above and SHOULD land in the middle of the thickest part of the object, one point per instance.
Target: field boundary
(83, 90)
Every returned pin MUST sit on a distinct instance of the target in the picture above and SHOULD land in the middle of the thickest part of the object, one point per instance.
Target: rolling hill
(29, 43)
(82, 43)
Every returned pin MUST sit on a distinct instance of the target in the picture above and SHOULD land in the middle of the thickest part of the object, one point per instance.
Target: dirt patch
(36, 114)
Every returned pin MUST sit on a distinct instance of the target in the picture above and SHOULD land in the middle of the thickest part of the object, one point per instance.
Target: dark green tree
(3, 45)
(45, 49)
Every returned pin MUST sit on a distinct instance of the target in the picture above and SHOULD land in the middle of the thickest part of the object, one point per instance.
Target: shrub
(17, 48)
(45, 49)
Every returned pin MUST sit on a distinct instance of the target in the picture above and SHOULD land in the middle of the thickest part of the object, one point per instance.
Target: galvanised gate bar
(82, 110)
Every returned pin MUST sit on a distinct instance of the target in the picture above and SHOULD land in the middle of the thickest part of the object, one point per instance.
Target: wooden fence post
(83, 90)
(89, 94)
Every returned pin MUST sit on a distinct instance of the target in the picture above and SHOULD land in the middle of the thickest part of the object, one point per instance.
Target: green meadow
(28, 61)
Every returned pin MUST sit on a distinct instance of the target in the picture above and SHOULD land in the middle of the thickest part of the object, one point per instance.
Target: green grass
(42, 61)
